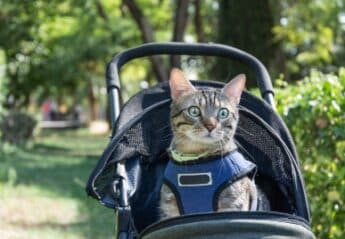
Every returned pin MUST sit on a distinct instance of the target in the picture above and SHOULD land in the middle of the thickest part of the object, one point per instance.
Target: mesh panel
(106, 177)
(144, 145)
(147, 140)
(134, 141)
(261, 146)
(161, 92)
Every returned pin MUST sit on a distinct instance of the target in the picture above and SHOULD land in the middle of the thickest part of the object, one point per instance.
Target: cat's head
(204, 119)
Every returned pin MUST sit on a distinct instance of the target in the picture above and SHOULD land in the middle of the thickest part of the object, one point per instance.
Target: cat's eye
(194, 111)
(223, 113)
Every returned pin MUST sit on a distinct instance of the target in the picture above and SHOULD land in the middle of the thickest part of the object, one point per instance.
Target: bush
(314, 111)
(17, 127)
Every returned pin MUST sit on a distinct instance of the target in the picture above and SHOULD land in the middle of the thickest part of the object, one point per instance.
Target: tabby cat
(203, 123)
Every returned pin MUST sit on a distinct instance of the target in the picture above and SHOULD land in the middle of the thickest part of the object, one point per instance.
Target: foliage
(55, 47)
(314, 110)
(2, 79)
(3, 83)
(17, 127)
(311, 34)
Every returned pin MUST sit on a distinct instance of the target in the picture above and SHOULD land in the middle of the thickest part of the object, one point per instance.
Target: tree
(312, 35)
(58, 49)
(246, 25)
(148, 35)
(180, 23)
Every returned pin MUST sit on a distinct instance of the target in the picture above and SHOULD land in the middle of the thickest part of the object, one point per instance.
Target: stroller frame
(201, 49)
(125, 228)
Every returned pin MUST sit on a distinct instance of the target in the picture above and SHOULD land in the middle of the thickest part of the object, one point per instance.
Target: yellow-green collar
(179, 157)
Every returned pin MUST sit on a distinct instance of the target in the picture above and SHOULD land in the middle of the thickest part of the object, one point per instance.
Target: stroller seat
(129, 174)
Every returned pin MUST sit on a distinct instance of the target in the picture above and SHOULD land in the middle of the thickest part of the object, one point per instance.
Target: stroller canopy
(143, 135)
(129, 174)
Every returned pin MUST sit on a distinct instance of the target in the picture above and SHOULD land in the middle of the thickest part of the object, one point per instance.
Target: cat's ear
(179, 84)
(234, 88)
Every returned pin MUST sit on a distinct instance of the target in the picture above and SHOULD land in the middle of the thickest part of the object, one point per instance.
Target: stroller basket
(129, 174)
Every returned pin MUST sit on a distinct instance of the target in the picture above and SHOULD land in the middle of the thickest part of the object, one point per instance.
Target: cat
(203, 123)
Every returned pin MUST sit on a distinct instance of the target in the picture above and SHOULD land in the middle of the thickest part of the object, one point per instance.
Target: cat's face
(204, 119)
(205, 116)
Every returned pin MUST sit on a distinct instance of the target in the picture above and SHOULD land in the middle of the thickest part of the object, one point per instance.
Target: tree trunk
(198, 24)
(148, 36)
(247, 25)
(101, 11)
(181, 18)
(92, 101)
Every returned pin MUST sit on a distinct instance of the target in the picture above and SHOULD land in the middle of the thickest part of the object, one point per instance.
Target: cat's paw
(168, 203)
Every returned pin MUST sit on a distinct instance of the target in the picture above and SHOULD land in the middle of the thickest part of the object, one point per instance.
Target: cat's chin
(202, 141)
(206, 138)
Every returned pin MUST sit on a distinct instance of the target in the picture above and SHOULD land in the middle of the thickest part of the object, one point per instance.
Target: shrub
(314, 111)
(17, 127)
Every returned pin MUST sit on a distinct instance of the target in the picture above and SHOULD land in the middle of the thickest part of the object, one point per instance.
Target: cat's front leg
(238, 196)
(168, 203)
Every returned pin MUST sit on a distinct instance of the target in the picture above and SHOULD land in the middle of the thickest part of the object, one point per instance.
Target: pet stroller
(128, 176)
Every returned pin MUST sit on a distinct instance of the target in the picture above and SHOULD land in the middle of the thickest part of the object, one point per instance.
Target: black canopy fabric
(142, 135)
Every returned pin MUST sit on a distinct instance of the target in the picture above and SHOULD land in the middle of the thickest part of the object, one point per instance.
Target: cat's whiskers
(221, 144)
(165, 140)
(166, 137)
(168, 134)
(244, 150)
(245, 131)
(163, 128)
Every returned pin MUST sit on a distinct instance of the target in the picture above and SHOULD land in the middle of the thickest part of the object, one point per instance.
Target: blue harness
(197, 185)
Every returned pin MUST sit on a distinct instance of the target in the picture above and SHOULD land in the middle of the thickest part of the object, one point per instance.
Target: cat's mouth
(206, 137)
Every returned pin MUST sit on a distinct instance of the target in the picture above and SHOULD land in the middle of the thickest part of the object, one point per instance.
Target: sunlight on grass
(42, 191)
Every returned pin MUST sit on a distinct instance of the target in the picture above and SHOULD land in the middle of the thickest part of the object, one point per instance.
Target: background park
(52, 63)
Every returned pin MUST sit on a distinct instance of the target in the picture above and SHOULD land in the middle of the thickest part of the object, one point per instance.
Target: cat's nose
(209, 127)
(210, 124)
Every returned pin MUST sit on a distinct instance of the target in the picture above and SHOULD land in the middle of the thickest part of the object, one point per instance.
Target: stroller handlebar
(178, 48)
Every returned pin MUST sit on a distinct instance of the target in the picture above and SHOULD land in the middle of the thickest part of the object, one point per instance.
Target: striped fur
(190, 134)
(208, 132)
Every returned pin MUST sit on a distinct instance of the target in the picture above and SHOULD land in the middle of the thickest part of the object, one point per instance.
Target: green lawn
(42, 189)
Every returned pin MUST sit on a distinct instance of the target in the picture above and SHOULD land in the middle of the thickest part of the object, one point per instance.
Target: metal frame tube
(174, 48)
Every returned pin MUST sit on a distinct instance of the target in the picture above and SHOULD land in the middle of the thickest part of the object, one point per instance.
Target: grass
(42, 191)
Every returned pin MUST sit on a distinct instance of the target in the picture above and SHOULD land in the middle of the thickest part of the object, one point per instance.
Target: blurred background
(54, 119)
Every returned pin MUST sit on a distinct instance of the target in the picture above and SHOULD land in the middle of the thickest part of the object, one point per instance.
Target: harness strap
(196, 184)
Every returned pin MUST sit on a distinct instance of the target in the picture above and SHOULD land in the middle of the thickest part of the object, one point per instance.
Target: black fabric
(161, 91)
(242, 225)
(144, 149)
(143, 134)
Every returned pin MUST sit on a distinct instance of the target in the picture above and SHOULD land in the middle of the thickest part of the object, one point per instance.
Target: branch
(101, 11)
(142, 22)
(181, 18)
(198, 24)
(148, 36)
